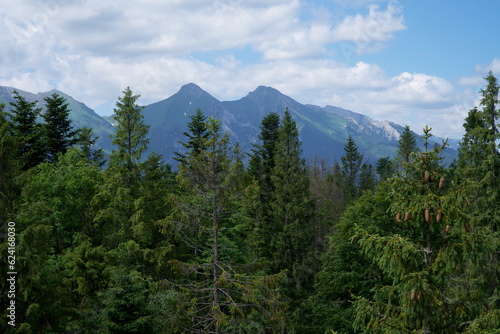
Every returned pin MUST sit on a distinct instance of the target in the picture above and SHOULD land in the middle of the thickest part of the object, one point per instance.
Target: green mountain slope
(80, 114)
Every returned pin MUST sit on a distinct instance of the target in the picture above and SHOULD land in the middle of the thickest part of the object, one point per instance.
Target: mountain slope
(323, 130)
(80, 114)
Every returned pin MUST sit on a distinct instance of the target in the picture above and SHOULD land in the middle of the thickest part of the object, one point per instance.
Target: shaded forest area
(277, 246)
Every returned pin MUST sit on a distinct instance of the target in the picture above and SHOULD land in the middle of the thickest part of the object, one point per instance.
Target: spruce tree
(219, 293)
(429, 260)
(28, 133)
(479, 162)
(385, 168)
(85, 141)
(351, 167)
(367, 179)
(407, 145)
(130, 137)
(59, 132)
(291, 231)
(261, 166)
(8, 170)
(198, 132)
(479, 156)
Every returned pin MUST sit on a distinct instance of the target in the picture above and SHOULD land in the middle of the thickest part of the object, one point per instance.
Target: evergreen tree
(351, 167)
(367, 179)
(59, 132)
(86, 142)
(479, 156)
(130, 138)
(198, 132)
(432, 289)
(479, 161)
(292, 231)
(346, 270)
(8, 171)
(261, 166)
(385, 168)
(28, 133)
(218, 294)
(407, 145)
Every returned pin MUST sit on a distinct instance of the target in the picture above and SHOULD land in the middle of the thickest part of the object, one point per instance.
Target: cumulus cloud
(368, 33)
(93, 49)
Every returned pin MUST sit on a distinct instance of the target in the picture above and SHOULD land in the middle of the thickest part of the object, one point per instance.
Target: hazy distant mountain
(80, 114)
(323, 130)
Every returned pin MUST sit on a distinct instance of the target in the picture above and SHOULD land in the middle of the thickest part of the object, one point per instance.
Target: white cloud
(494, 67)
(92, 50)
(368, 33)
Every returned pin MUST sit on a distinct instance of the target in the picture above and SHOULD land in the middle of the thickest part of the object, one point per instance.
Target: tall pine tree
(28, 133)
(130, 137)
(351, 167)
(429, 260)
(198, 132)
(58, 130)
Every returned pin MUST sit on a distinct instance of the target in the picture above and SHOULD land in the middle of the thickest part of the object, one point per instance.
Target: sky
(415, 62)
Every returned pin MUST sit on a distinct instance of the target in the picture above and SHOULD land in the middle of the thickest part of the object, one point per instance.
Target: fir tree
(59, 132)
(367, 179)
(198, 132)
(130, 137)
(28, 133)
(351, 167)
(385, 168)
(292, 231)
(217, 297)
(8, 170)
(261, 166)
(86, 142)
(429, 260)
(407, 145)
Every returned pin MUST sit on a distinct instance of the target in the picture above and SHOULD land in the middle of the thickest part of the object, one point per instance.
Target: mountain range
(323, 130)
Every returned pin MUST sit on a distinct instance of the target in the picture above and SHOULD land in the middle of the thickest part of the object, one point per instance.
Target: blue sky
(416, 62)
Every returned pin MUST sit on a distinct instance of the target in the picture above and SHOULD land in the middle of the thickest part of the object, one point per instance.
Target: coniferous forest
(245, 242)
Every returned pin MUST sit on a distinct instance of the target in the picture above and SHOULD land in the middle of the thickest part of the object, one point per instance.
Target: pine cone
(438, 216)
(412, 296)
(467, 201)
(398, 217)
(441, 183)
(426, 176)
(467, 227)
(407, 216)
(419, 294)
(447, 229)
(427, 216)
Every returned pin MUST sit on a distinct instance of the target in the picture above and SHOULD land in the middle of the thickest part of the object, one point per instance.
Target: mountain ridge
(323, 130)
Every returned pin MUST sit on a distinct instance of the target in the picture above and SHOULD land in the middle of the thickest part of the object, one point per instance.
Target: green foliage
(58, 131)
(407, 145)
(261, 166)
(196, 136)
(130, 137)
(351, 167)
(385, 168)
(85, 141)
(346, 270)
(8, 170)
(28, 133)
(218, 294)
(367, 179)
(432, 287)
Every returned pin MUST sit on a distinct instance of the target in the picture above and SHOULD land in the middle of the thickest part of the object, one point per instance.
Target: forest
(244, 242)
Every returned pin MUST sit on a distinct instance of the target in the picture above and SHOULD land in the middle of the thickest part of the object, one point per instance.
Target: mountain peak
(191, 87)
(265, 90)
